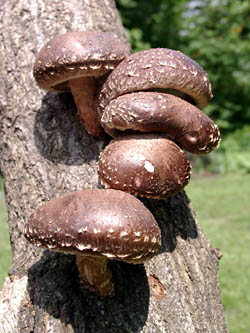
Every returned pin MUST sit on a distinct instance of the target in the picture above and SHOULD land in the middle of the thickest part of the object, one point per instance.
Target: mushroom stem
(95, 274)
(83, 91)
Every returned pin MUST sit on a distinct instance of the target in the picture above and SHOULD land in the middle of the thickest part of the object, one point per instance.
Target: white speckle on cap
(109, 66)
(95, 67)
(132, 74)
(148, 166)
(194, 73)
(139, 256)
(172, 64)
(51, 246)
(109, 255)
(82, 247)
(123, 255)
(138, 181)
(163, 63)
(146, 66)
(96, 56)
(154, 240)
(82, 230)
(202, 148)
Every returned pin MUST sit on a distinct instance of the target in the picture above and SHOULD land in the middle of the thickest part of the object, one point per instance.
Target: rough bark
(44, 152)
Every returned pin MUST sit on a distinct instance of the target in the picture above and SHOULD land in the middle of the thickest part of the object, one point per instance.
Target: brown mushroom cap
(191, 128)
(72, 62)
(96, 222)
(144, 164)
(76, 54)
(157, 69)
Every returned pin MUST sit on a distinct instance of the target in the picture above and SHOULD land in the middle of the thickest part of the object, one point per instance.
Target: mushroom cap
(148, 165)
(96, 222)
(76, 54)
(190, 127)
(157, 69)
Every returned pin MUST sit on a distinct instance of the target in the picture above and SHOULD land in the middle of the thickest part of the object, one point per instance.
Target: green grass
(5, 256)
(222, 206)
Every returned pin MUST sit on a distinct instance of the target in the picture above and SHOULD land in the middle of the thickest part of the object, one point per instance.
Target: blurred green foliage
(215, 33)
(155, 23)
(219, 40)
(234, 153)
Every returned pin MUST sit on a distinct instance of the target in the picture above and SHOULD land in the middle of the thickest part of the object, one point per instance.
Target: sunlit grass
(5, 257)
(222, 207)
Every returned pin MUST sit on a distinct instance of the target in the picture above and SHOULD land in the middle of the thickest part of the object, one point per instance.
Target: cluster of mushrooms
(150, 102)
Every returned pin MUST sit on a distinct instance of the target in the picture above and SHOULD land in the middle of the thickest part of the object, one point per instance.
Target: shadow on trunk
(65, 297)
(57, 125)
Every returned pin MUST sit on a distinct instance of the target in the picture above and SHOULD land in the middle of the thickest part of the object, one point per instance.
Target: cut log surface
(45, 152)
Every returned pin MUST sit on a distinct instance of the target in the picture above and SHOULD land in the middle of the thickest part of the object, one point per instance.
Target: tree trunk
(44, 152)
